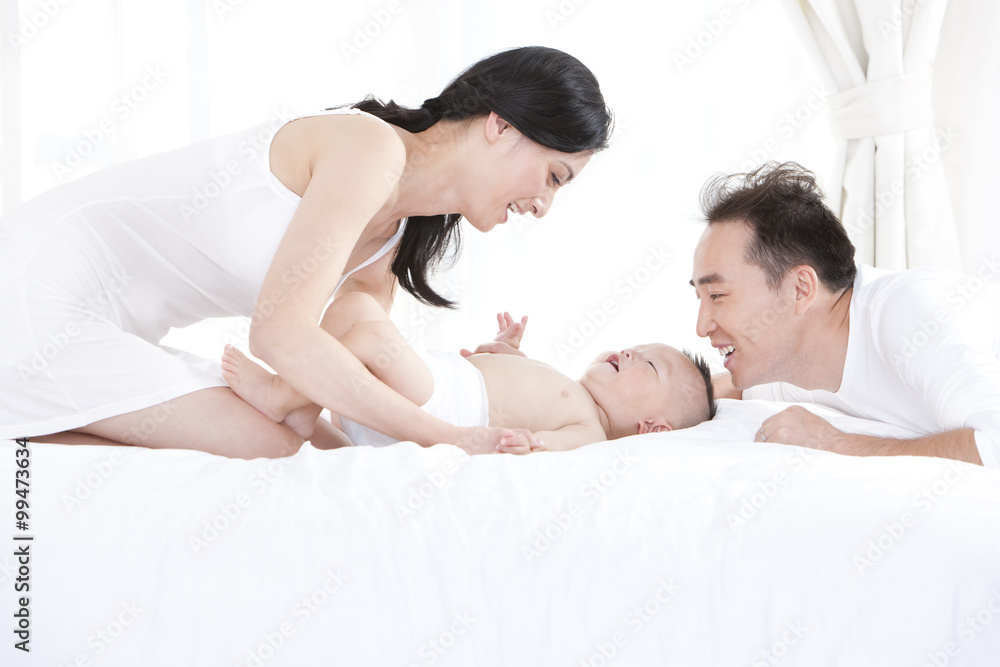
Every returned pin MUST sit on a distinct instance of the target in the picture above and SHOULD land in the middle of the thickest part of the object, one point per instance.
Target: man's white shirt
(923, 352)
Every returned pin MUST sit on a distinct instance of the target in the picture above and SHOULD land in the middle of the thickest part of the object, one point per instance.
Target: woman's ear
(495, 128)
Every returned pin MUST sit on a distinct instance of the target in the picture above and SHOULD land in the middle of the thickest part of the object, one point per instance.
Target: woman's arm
(352, 177)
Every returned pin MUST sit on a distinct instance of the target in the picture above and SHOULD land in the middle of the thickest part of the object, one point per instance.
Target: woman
(95, 272)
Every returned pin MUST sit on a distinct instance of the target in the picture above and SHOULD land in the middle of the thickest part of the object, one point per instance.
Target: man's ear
(806, 285)
(495, 127)
(654, 426)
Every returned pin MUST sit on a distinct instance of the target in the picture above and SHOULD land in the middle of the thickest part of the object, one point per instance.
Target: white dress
(95, 272)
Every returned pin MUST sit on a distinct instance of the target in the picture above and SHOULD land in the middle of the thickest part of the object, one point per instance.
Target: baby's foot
(253, 384)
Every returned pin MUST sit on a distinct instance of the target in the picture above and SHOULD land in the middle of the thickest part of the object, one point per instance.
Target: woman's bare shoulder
(334, 142)
(338, 132)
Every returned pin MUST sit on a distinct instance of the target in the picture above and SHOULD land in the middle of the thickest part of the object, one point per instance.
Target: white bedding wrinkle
(693, 547)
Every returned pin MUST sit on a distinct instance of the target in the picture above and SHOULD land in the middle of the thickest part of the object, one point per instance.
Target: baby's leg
(361, 325)
(364, 328)
(267, 392)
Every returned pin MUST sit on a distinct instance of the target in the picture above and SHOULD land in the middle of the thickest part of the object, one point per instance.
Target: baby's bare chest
(524, 393)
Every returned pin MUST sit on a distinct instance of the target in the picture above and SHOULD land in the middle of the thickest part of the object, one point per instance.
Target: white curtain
(889, 184)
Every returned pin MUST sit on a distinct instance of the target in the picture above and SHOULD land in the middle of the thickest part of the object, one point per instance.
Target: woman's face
(519, 176)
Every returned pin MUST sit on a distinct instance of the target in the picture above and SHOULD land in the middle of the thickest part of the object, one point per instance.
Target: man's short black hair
(783, 206)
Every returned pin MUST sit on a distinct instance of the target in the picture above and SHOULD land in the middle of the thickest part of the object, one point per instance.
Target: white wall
(697, 88)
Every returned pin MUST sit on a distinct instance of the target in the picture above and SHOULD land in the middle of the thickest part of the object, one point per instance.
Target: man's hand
(519, 441)
(508, 341)
(798, 426)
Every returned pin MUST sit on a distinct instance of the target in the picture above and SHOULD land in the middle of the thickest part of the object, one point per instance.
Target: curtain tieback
(885, 106)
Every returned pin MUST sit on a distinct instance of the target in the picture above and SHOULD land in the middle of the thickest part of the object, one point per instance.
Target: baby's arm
(723, 385)
(523, 441)
(508, 341)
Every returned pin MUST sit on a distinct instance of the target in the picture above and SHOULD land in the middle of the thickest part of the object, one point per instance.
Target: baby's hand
(519, 441)
(479, 439)
(508, 341)
(510, 330)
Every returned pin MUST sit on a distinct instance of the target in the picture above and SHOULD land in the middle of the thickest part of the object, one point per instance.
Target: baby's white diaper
(459, 397)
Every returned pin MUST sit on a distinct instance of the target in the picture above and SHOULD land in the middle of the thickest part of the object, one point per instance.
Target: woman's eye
(714, 297)
(555, 180)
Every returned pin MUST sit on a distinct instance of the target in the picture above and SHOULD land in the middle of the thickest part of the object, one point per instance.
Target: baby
(642, 389)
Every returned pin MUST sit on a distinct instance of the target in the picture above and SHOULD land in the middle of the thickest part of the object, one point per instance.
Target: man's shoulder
(881, 282)
(916, 293)
(923, 291)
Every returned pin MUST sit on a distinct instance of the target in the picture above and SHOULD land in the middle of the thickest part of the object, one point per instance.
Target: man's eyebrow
(710, 278)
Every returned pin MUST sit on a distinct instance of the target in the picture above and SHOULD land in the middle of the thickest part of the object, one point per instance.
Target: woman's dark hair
(548, 96)
(783, 205)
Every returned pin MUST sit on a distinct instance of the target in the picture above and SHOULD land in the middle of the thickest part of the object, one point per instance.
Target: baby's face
(646, 383)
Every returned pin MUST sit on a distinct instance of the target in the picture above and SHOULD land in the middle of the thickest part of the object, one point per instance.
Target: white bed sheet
(694, 547)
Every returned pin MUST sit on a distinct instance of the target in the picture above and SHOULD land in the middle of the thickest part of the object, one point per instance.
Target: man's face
(746, 320)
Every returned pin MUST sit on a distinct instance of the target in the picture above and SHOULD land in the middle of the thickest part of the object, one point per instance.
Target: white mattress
(693, 547)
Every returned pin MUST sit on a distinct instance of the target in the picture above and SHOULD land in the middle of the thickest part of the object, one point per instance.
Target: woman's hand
(478, 439)
(508, 341)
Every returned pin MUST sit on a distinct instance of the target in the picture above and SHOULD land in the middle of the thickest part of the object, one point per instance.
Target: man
(783, 301)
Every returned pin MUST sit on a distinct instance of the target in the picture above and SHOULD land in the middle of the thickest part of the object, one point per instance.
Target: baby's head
(650, 388)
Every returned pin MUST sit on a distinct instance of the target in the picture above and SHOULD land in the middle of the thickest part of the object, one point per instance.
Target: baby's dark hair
(706, 375)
